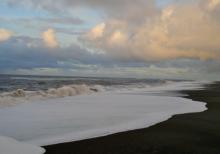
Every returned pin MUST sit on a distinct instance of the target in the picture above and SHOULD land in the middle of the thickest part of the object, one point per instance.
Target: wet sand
(196, 133)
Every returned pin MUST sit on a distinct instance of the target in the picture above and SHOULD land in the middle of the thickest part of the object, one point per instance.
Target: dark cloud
(61, 20)
(27, 52)
(30, 55)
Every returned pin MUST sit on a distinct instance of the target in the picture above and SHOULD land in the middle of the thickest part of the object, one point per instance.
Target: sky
(118, 38)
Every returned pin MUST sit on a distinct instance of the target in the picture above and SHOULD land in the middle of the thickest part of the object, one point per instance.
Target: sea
(34, 83)
(20, 88)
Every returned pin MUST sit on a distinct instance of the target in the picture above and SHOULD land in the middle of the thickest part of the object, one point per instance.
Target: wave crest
(20, 95)
(70, 90)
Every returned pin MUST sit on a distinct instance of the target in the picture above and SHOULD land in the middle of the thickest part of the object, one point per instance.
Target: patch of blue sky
(21, 29)
(164, 3)
(33, 28)
(19, 11)
(12, 14)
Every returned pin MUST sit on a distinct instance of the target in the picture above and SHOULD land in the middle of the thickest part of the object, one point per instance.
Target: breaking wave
(20, 95)
(22, 89)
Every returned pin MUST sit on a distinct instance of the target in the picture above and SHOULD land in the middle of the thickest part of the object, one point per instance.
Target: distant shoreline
(186, 133)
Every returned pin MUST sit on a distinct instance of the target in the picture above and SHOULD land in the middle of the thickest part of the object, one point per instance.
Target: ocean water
(15, 89)
(35, 83)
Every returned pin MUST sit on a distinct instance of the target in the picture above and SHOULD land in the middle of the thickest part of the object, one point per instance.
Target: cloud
(49, 38)
(26, 55)
(27, 52)
(125, 9)
(48, 20)
(179, 31)
(177, 39)
(62, 20)
(213, 4)
(97, 31)
(5, 34)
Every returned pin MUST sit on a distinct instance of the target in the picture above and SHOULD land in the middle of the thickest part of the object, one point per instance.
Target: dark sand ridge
(196, 133)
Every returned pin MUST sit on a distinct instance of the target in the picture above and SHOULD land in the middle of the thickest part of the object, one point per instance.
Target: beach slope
(195, 133)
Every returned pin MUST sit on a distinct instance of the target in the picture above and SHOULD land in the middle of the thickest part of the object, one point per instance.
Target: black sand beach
(197, 133)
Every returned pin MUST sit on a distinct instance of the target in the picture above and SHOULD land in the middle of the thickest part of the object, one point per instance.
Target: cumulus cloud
(179, 31)
(18, 56)
(134, 37)
(97, 31)
(49, 38)
(5, 34)
(213, 4)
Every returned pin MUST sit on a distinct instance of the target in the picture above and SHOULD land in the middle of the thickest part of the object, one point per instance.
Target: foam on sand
(67, 119)
(11, 146)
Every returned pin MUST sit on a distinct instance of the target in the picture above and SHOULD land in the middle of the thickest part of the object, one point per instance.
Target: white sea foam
(71, 118)
(65, 114)
(11, 146)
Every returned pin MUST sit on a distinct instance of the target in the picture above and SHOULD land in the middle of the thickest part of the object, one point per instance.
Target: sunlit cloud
(187, 31)
(99, 37)
(49, 38)
(118, 38)
(5, 34)
(97, 31)
(213, 3)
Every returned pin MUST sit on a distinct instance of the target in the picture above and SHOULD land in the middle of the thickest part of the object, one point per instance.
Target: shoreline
(160, 138)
